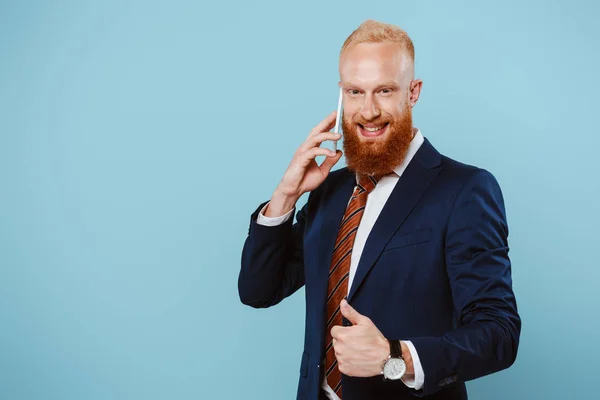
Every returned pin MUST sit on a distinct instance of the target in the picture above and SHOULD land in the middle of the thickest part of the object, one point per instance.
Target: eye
(386, 91)
(353, 92)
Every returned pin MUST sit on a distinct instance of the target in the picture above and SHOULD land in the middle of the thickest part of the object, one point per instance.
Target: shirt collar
(413, 147)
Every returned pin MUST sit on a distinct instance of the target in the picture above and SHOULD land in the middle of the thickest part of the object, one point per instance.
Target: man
(404, 253)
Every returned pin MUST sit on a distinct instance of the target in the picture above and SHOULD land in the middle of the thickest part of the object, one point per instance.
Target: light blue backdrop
(137, 137)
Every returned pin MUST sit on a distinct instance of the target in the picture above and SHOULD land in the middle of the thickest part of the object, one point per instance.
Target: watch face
(394, 368)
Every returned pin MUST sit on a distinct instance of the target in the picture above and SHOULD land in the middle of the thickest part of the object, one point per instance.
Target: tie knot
(368, 182)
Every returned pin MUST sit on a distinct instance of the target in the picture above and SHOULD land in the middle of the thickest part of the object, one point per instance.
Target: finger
(351, 314)
(337, 354)
(330, 161)
(324, 125)
(335, 332)
(319, 138)
(316, 151)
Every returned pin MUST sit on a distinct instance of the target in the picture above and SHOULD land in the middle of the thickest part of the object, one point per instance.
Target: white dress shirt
(375, 202)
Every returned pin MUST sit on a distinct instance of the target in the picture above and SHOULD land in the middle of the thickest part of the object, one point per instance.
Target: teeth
(373, 129)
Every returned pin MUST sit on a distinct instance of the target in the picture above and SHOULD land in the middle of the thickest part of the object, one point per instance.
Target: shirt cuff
(417, 380)
(272, 221)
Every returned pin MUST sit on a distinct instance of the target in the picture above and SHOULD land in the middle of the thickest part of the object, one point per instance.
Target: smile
(372, 131)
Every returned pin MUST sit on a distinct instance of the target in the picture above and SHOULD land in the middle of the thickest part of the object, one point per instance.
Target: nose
(370, 110)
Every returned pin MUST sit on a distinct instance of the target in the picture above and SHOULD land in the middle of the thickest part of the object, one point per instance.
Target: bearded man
(403, 253)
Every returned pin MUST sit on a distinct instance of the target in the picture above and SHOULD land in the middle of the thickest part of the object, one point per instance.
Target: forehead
(367, 64)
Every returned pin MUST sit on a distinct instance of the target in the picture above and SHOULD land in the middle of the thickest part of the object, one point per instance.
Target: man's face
(376, 79)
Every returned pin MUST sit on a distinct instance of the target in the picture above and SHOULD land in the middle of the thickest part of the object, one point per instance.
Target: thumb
(329, 162)
(351, 314)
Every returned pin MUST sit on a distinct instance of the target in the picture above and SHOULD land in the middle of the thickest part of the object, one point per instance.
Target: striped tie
(339, 271)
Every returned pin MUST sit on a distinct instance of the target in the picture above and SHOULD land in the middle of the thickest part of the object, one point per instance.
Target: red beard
(381, 156)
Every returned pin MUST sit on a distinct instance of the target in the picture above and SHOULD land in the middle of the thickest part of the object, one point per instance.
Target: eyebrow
(384, 84)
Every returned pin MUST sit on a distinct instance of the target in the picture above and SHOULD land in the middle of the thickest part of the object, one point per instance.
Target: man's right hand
(304, 174)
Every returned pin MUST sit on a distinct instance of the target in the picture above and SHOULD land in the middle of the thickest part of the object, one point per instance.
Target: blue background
(137, 137)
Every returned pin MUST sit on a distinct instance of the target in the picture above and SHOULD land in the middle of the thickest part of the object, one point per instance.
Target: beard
(382, 155)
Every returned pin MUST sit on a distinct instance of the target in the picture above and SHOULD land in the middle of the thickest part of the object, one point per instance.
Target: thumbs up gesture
(360, 349)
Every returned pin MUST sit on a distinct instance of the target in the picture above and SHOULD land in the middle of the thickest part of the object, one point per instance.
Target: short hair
(372, 31)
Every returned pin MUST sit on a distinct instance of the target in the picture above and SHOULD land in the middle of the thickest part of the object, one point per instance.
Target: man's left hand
(360, 349)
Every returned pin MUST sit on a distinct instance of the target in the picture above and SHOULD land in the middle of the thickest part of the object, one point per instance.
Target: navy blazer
(434, 270)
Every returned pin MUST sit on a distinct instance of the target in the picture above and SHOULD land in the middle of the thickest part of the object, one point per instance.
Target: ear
(415, 91)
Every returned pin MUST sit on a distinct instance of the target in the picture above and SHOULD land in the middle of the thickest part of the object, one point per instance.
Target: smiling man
(403, 253)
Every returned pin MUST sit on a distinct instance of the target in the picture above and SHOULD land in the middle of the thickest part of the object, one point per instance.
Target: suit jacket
(434, 270)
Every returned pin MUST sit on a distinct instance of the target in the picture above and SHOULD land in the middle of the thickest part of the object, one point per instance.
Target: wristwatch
(394, 366)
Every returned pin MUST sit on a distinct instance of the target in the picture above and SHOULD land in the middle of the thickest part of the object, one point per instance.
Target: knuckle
(315, 138)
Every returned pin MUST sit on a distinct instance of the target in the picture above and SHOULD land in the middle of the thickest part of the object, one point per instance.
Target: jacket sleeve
(272, 261)
(486, 337)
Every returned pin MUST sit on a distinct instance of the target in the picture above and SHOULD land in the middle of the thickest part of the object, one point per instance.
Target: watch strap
(395, 348)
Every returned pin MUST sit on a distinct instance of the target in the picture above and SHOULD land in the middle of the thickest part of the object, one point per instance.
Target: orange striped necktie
(339, 272)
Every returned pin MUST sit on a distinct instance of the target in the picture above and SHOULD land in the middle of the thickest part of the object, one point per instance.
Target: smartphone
(338, 119)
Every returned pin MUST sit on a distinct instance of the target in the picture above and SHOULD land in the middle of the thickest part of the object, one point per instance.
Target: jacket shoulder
(461, 172)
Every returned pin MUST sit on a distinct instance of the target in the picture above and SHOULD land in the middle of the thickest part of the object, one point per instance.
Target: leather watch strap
(395, 348)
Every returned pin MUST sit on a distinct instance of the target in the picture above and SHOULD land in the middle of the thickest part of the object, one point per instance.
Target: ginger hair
(372, 31)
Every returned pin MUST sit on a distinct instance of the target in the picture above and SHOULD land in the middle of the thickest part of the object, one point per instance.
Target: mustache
(358, 120)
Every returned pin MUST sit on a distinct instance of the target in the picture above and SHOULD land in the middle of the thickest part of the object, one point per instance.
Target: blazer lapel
(421, 170)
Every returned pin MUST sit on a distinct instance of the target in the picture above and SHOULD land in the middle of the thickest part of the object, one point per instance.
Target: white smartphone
(338, 119)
